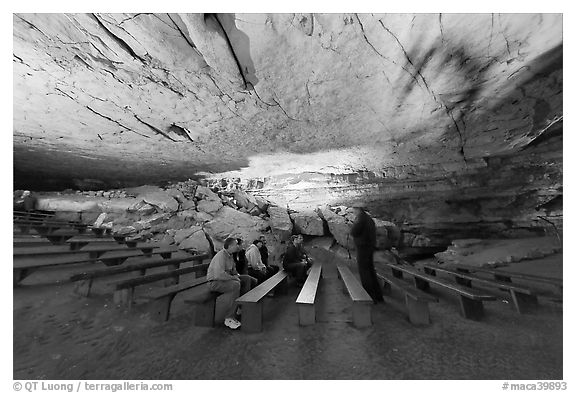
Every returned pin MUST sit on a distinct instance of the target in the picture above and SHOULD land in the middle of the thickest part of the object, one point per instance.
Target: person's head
(258, 243)
(297, 239)
(231, 245)
(26, 193)
(240, 244)
(262, 239)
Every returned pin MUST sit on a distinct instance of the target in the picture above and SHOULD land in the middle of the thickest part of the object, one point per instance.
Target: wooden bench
(23, 267)
(471, 306)
(205, 301)
(307, 297)
(84, 280)
(29, 241)
(361, 301)
(416, 300)
(93, 251)
(252, 305)
(124, 289)
(51, 229)
(33, 213)
(522, 298)
(46, 221)
(61, 236)
(73, 243)
(43, 227)
(506, 276)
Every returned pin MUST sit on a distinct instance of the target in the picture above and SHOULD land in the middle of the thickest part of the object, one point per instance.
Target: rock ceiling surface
(138, 98)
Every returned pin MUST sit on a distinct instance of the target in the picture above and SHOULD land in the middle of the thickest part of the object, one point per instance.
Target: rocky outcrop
(162, 200)
(209, 206)
(490, 253)
(339, 227)
(307, 223)
(232, 223)
(280, 222)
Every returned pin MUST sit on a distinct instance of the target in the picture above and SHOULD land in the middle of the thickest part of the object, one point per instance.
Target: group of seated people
(234, 271)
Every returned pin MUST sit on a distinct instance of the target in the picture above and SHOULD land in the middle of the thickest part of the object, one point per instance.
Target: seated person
(223, 278)
(255, 266)
(240, 258)
(264, 256)
(296, 262)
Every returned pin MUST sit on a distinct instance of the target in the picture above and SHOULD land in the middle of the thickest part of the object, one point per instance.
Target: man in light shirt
(223, 278)
(256, 268)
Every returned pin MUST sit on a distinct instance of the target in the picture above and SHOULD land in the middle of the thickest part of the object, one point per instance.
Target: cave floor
(58, 335)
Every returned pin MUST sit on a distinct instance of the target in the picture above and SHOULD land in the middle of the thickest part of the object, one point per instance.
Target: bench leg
(386, 288)
(523, 302)
(83, 287)
(252, 317)
(362, 314)
(396, 273)
(471, 309)
(20, 274)
(306, 314)
(421, 284)
(499, 277)
(171, 280)
(205, 313)
(115, 261)
(160, 308)
(282, 287)
(124, 296)
(463, 281)
(429, 271)
(418, 312)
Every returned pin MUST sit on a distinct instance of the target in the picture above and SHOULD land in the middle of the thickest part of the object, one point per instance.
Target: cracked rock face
(323, 106)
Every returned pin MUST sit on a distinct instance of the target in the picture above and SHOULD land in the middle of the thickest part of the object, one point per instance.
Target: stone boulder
(201, 216)
(324, 242)
(230, 222)
(387, 234)
(162, 200)
(209, 206)
(124, 230)
(182, 234)
(141, 207)
(243, 199)
(155, 219)
(176, 194)
(188, 204)
(338, 226)
(198, 242)
(206, 193)
(280, 222)
(262, 203)
(308, 223)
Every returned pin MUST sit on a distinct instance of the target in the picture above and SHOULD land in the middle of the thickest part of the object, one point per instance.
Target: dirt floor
(58, 335)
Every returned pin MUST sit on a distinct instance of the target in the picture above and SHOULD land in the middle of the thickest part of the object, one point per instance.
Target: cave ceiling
(143, 98)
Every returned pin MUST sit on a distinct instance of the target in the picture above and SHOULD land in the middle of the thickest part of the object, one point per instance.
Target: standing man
(223, 278)
(364, 233)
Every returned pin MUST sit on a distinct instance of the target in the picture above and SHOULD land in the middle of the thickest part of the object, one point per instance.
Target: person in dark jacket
(364, 233)
(240, 258)
(296, 262)
(264, 256)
